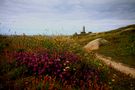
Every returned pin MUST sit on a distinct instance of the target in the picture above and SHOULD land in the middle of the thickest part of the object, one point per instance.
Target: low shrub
(66, 67)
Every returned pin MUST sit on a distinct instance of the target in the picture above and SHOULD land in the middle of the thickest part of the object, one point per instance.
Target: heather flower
(64, 64)
(60, 65)
(67, 62)
(64, 70)
(67, 67)
(58, 59)
(34, 69)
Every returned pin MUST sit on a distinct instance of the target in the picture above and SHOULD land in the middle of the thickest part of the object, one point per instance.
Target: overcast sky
(64, 16)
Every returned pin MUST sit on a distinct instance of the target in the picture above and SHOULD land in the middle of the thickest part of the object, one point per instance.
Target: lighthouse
(83, 31)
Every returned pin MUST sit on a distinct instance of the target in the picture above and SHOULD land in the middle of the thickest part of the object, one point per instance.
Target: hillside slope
(121, 47)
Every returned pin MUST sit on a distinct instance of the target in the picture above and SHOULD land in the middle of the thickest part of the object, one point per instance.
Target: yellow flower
(113, 80)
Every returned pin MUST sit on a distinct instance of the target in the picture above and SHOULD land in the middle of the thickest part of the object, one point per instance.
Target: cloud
(88, 8)
(69, 14)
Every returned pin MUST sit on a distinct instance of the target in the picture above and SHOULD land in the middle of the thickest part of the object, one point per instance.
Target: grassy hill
(121, 44)
(60, 62)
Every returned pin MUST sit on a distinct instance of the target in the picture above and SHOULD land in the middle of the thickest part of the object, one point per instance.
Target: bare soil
(116, 65)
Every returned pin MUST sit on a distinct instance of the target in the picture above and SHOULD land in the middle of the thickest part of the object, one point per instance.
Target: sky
(64, 16)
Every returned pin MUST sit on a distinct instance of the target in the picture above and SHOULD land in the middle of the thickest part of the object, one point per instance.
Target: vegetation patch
(54, 63)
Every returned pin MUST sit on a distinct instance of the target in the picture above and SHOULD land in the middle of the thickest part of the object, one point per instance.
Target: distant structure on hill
(83, 32)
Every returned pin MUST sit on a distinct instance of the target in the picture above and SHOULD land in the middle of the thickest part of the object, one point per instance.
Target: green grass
(9, 44)
(121, 44)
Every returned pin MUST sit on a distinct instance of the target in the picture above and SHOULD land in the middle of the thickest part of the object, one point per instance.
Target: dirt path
(118, 66)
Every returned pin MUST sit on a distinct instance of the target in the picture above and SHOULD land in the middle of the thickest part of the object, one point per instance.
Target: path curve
(118, 66)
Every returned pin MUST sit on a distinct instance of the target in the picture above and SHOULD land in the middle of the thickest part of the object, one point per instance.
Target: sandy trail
(118, 66)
